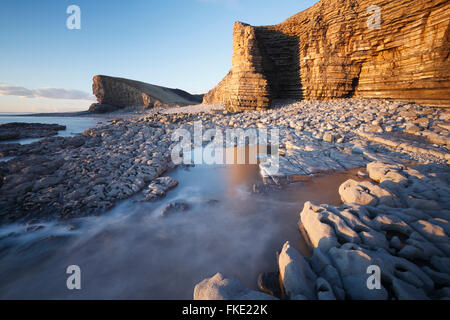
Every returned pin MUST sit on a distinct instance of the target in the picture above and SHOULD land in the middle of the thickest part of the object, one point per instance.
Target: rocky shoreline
(400, 219)
(398, 222)
(21, 130)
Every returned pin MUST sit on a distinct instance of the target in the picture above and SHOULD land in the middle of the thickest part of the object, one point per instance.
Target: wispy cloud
(7, 89)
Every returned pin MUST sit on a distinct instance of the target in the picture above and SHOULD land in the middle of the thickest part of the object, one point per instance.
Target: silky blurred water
(133, 252)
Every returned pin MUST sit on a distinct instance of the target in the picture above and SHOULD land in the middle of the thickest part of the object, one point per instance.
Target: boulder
(442, 264)
(352, 264)
(269, 282)
(174, 207)
(320, 234)
(158, 188)
(324, 290)
(405, 291)
(296, 274)
(365, 193)
(381, 172)
(220, 288)
(353, 192)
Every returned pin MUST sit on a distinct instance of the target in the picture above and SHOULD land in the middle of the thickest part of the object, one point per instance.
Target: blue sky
(184, 44)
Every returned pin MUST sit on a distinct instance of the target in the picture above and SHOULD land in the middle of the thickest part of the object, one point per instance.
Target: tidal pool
(133, 252)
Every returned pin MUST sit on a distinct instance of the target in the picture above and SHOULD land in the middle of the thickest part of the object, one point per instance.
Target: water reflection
(135, 253)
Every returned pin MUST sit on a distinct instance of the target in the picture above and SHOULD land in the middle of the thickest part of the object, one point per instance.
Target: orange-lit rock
(328, 51)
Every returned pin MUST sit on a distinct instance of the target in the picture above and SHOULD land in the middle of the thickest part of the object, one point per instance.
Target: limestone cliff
(118, 92)
(219, 92)
(334, 50)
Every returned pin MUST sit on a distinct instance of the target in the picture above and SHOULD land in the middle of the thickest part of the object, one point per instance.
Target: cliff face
(121, 93)
(333, 50)
(219, 92)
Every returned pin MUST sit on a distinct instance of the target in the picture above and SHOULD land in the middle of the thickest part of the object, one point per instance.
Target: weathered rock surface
(158, 188)
(117, 92)
(296, 274)
(365, 193)
(406, 236)
(176, 206)
(220, 288)
(69, 177)
(21, 130)
(269, 282)
(333, 50)
(102, 108)
(120, 159)
(409, 245)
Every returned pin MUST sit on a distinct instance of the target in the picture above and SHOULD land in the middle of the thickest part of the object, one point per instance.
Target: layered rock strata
(336, 49)
(113, 93)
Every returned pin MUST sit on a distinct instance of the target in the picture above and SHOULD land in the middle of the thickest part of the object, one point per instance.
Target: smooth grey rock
(352, 192)
(342, 230)
(431, 231)
(296, 274)
(352, 265)
(444, 224)
(299, 297)
(319, 261)
(269, 282)
(442, 264)
(423, 204)
(220, 288)
(442, 279)
(410, 252)
(396, 243)
(353, 221)
(320, 234)
(397, 267)
(332, 276)
(366, 193)
(405, 291)
(324, 290)
(388, 222)
(381, 172)
(374, 239)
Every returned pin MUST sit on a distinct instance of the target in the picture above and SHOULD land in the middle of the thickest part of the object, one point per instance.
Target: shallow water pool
(133, 252)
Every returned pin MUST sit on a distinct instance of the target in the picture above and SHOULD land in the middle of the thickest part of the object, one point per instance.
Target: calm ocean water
(74, 125)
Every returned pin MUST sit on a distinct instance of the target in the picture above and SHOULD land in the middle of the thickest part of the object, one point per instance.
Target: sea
(74, 125)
